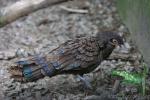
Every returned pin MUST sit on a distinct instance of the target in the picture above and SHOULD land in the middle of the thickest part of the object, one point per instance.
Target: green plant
(134, 78)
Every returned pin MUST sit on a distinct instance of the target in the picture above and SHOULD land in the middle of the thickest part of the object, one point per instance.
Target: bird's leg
(116, 86)
(86, 82)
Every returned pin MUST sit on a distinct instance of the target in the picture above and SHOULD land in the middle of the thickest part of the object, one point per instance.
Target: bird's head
(109, 39)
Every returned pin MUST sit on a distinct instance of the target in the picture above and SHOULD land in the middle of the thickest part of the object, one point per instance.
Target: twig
(116, 86)
(124, 57)
(74, 10)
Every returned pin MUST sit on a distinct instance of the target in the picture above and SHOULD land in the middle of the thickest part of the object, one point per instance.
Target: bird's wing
(74, 55)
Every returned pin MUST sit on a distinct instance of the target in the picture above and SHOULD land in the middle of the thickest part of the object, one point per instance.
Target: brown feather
(78, 56)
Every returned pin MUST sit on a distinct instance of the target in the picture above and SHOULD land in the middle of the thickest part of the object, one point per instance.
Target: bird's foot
(86, 83)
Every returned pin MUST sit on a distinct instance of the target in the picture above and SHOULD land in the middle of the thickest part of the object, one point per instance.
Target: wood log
(23, 8)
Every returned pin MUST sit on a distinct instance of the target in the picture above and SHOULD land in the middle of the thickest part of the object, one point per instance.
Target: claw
(86, 82)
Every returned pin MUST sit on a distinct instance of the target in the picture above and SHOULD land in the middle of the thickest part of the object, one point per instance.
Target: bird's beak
(120, 47)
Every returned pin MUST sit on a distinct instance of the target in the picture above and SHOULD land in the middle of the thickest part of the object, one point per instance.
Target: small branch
(74, 10)
(23, 8)
(125, 57)
(116, 86)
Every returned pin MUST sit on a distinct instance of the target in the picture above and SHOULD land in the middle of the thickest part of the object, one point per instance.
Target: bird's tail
(31, 69)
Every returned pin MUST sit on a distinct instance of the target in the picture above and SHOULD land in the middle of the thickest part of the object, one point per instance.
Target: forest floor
(43, 31)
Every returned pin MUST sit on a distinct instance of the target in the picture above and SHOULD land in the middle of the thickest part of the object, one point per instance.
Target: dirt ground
(44, 30)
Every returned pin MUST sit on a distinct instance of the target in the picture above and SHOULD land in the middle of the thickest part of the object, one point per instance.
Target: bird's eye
(114, 41)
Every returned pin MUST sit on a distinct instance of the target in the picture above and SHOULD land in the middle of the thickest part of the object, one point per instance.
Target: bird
(78, 56)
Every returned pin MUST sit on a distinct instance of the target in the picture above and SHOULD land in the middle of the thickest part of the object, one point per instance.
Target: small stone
(2, 72)
(31, 84)
(22, 52)
(128, 63)
(25, 94)
(113, 61)
(10, 54)
(127, 89)
(12, 93)
(7, 54)
(122, 28)
(38, 87)
(24, 86)
(134, 90)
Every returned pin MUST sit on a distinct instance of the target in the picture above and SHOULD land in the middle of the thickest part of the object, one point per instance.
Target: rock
(2, 72)
(25, 86)
(31, 84)
(25, 94)
(22, 52)
(37, 87)
(134, 90)
(9, 54)
(100, 90)
(12, 93)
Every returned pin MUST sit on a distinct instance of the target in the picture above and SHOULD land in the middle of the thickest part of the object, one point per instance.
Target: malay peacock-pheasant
(78, 57)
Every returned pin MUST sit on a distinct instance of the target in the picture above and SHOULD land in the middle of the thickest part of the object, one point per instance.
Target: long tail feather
(27, 70)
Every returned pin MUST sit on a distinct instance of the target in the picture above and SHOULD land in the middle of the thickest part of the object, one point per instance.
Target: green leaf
(132, 78)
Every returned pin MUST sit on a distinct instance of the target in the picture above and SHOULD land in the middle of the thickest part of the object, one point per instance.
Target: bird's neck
(107, 51)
